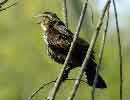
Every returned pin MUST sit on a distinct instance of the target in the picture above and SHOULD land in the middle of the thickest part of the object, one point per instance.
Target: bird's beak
(39, 16)
(38, 22)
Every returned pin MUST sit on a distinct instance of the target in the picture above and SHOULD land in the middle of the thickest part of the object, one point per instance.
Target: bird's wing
(65, 35)
(63, 29)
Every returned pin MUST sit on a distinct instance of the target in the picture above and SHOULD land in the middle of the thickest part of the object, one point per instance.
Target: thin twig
(72, 79)
(46, 84)
(40, 88)
(92, 15)
(3, 2)
(100, 56)
(1, 9)
(120, 52)
(94, 38)
(53, 92)
(65, 12)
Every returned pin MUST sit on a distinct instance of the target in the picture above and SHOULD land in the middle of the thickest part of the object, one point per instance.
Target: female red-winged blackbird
(58, 39)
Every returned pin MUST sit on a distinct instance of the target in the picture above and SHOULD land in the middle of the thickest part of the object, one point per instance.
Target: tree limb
(5, 8)
(46, 84)
(65, 12)
(120, 51)
(93, 41)
(100, 56)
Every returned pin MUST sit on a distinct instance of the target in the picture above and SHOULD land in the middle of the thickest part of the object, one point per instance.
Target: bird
(58, 39)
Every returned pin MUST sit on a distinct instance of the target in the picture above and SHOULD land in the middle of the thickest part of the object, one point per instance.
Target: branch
(5, 8)
(100, 56)
(3, 2)
(92, 15)
(46, 84)
(53, 92)
(93, 41)
(40, 88)
(8, 6)
(65, 13)
(119, 47)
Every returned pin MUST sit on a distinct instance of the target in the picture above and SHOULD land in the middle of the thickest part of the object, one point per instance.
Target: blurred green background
(24, 64)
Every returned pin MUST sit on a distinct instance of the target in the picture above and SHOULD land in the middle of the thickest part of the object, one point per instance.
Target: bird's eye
(44, 18)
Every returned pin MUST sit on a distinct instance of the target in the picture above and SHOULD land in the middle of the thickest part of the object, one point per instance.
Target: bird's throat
(44, 27)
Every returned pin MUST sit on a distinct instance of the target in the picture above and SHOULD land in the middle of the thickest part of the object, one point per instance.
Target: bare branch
(65, 13)
(1, 9)
(92, 15)
(100, 56)
(46, 84)
(41, 87)
(3, 2)
(53, 92)
(94, 38)
(120, 51)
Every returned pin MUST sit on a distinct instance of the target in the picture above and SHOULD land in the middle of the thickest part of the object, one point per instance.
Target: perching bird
(58, 40)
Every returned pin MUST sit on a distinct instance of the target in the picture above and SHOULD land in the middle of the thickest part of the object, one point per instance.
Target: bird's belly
(59, 56)
(45, 38)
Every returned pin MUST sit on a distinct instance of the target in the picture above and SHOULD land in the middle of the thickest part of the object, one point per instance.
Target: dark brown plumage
(58, 40)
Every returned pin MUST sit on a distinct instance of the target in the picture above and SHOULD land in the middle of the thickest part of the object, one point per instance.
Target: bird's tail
(90, 72)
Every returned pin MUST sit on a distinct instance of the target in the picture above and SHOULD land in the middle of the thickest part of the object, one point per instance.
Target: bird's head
(46, 18)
